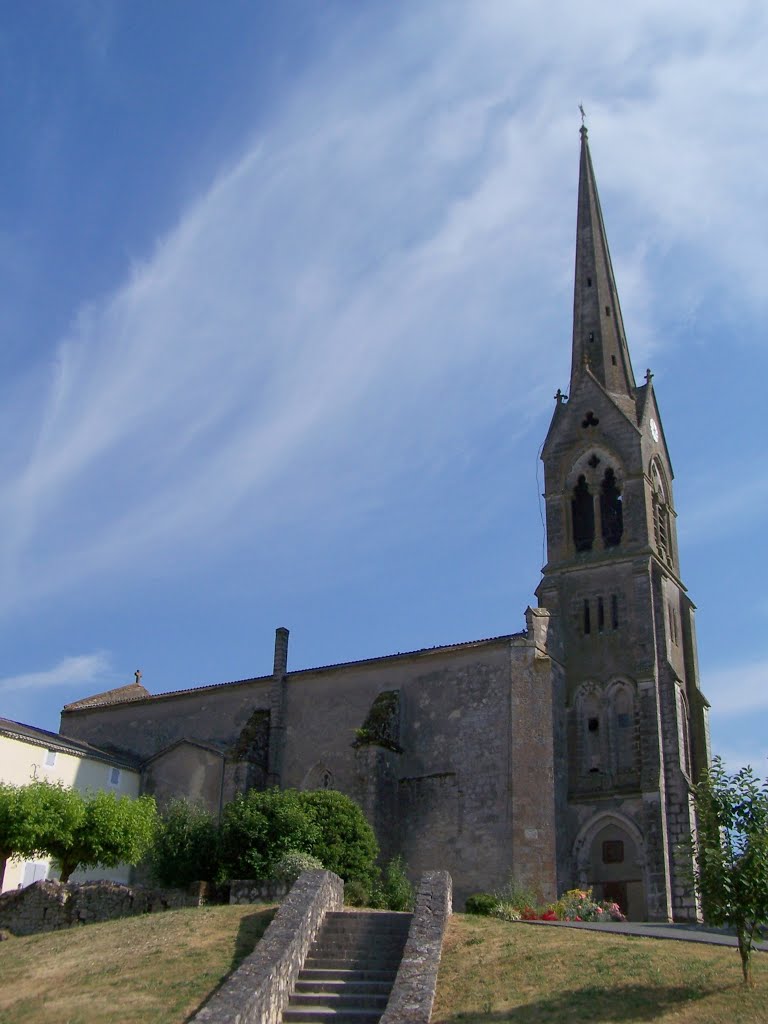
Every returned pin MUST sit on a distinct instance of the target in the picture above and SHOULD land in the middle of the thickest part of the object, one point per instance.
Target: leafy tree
(731, 870)
(345, 842)
(112, 830)
(33, 816)
(259, 827)
(186, 846)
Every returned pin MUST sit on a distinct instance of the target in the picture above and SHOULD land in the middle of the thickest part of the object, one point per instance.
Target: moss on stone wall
(381, 727)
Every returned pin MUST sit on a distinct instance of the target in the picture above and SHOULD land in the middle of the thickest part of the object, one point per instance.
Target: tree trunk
(67, 867)
(745, 952)
(3, 862)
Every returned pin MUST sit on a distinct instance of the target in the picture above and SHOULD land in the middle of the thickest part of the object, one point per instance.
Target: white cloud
(738, 689)
(740, 755)
(81, 669)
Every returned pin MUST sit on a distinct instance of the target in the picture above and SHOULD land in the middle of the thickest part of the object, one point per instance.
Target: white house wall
(23, 762)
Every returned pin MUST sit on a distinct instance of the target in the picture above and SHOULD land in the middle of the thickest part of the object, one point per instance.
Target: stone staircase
(350, 969)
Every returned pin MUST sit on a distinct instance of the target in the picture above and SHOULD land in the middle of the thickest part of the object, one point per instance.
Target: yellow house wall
(22, 762)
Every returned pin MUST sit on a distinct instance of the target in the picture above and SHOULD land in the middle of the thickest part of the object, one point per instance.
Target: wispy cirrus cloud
(78, 670)
(368, 274)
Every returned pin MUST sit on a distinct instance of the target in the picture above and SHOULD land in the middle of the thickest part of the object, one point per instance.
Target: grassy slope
(140, 970)
(161, 967)
(493, 971)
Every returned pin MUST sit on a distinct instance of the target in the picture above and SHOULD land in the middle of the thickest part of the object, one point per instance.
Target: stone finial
(137, 676)
(537, 624)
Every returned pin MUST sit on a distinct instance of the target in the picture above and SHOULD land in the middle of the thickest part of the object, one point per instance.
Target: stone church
(561, 756)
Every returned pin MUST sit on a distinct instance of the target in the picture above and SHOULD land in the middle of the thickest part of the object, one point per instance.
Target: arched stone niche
(609, 857)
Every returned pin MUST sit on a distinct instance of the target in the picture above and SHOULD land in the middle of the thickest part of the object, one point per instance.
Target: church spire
(599, 342)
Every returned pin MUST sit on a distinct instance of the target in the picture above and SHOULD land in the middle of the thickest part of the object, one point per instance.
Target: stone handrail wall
(414, 990)
(48, 906)
(258, 990)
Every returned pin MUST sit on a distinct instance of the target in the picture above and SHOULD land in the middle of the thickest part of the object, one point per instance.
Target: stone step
(351, 934)
(379, 917)
(346, 920)
(349, 971)
(347, 935)
(345, 985)
(328, 1015)
(350, 975)
(374, 950)
(353, 963)
(340, 1000)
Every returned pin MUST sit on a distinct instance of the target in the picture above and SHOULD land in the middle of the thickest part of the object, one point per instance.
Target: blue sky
(286, 295)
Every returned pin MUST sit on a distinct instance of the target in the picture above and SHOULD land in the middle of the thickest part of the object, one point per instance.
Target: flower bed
(514, 904)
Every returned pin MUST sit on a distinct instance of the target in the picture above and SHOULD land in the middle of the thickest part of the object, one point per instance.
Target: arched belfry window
(611, 511)
(583, 514)
(661, 515)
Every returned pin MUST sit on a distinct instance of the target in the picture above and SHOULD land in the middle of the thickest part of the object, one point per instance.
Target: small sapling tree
(731, 870)
(35, 815)
(112, 830)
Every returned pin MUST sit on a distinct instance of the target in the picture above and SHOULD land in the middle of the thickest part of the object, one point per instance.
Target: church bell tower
(635, 721)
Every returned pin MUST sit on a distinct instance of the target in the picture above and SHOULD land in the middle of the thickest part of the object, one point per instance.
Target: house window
(50, 758)
(114, 776)
(613, 851)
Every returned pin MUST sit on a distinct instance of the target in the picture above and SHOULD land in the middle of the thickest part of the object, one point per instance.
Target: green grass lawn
(159, 968)
(494, 971)
(138, 970)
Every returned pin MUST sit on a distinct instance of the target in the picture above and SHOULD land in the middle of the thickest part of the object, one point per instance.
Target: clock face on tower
(654, 430)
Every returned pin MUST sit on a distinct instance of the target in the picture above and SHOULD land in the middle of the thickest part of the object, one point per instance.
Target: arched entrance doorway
(610, 859)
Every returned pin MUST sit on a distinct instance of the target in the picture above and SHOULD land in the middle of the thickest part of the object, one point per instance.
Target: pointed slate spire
(599, 342)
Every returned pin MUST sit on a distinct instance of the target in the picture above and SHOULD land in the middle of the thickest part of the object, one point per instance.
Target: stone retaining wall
(258, 990)
(414, 990)
(47, 906)
(244, 890)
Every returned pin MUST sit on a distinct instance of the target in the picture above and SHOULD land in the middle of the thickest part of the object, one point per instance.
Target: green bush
(291, 864)
(481, 903)
(356, 893)
(186, 847)
(259, 827)
(344, 842)
(394, 892)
